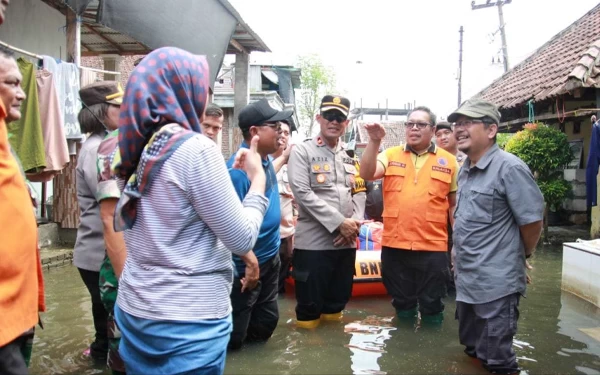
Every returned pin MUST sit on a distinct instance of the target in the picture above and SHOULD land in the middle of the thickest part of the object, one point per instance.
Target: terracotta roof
(394, 133)
(570, 59)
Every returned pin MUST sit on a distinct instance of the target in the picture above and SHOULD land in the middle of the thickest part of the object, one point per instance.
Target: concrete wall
(35, 27)
(576, 205)
(581, 270)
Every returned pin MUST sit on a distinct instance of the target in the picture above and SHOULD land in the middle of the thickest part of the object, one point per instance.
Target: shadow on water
(368, 340)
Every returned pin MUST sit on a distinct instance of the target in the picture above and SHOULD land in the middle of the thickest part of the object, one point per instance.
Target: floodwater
(368, 340)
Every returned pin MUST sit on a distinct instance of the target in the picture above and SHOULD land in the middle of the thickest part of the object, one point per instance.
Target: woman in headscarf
(99, 115)
(183, 220)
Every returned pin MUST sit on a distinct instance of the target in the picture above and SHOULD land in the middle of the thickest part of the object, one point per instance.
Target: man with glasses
(419, 192)
(286, 201)
(498, 222)
(444, 138)
(322, 176)
(255, 313)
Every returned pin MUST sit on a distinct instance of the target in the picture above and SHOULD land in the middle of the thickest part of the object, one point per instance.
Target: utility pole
(460, 51)
(499, 4)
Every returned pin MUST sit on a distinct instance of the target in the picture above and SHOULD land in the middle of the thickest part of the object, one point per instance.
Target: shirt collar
(485, 160)
(432, 148)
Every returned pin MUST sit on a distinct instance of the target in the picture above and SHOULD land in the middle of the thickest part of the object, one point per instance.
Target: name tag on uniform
(441, 169)
(397, 164)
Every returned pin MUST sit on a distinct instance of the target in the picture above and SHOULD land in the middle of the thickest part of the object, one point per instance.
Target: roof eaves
(262, 46)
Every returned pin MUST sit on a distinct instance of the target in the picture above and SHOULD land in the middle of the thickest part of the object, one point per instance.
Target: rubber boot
(406, 314)
(434, 319)
(335, 316)
(308, 324)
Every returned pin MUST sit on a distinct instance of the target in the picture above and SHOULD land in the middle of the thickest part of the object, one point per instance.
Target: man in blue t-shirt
(255, 312)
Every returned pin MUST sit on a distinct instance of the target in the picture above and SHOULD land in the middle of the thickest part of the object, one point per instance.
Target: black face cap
(336, 102)
(260, 112)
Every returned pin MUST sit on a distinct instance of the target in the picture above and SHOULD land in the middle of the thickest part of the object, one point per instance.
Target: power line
(460, 51)
(499, 4)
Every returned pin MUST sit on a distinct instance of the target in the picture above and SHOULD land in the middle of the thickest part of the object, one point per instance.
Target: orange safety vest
(415, 214)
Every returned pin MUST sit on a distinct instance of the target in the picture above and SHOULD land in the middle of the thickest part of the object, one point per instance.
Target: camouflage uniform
(109, 187)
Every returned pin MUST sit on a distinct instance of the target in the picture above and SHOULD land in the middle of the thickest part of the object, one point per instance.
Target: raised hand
(249, 160)
(376, 131)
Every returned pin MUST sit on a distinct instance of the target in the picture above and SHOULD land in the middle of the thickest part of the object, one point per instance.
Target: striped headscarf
(168, 87)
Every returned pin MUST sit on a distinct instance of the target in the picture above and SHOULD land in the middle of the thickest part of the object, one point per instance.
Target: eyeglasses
(273, 125)
(334, 116)
(420, 125)
(466, 123)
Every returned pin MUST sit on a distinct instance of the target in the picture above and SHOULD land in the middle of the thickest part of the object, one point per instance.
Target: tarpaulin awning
(200, 27)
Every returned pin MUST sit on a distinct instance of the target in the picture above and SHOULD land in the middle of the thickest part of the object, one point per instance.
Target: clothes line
(23, 52)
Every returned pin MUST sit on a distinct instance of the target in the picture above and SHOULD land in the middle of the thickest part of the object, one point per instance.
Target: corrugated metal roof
(566, 61)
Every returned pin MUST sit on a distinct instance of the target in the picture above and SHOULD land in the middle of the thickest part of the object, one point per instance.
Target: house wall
(575, 207)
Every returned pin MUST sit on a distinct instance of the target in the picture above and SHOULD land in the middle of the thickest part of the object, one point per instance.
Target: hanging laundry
(66, 80)
(591, 173)
(55, 142)
(25, 135)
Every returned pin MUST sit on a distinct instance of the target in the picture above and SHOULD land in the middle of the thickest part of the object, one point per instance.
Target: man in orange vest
(21, 283)
(419, 191)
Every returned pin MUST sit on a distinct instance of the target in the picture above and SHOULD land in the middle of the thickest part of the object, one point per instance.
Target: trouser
(99, 348)
(109, 285)
(15, 356)
(285, 257)
(487, 330)
(415, 278)
(255, 312)
(323, 281)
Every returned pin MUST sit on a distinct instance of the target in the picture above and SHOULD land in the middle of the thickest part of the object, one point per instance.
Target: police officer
(322, 176)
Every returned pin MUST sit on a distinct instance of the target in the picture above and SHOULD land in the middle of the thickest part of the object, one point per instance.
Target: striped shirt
(179, 250)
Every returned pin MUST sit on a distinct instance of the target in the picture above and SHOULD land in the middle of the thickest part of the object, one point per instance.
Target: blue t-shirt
(267, 244)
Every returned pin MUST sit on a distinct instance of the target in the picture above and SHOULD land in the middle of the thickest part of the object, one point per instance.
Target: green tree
(547, 152)
(317, 80)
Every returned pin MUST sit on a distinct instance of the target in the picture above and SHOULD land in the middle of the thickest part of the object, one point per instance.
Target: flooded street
(369, 340)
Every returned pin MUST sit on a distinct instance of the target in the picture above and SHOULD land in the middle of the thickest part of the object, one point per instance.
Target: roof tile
(570, 59)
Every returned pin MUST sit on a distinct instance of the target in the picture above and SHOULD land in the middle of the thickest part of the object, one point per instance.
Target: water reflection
(367, 343)
(554, 335)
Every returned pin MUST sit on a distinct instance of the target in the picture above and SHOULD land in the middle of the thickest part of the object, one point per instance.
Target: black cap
(336, 102)
(443, 125)
(260, 112)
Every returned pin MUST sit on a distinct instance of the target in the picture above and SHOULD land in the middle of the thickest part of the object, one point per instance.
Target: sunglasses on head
(332, 116)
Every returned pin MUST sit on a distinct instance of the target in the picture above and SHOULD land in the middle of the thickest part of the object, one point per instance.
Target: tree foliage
(547, 152)
(317, 80)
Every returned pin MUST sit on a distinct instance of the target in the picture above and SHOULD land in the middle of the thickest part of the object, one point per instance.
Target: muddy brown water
(368, 340)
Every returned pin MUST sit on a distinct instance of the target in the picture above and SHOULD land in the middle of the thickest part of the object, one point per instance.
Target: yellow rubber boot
(334, 316)
(308, 324)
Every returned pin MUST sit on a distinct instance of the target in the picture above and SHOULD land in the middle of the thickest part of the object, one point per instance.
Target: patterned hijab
(169, 85)
(164, 100)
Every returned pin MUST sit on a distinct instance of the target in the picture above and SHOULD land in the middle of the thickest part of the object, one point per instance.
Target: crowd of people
(184, 254)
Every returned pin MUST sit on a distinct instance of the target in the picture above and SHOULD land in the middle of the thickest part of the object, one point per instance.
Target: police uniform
(359, 193)
(322, 180)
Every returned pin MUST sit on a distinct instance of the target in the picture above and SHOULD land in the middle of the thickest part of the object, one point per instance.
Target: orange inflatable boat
(367, 274)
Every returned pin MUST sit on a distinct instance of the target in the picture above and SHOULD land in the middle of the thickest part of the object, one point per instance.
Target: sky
(408, 48)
